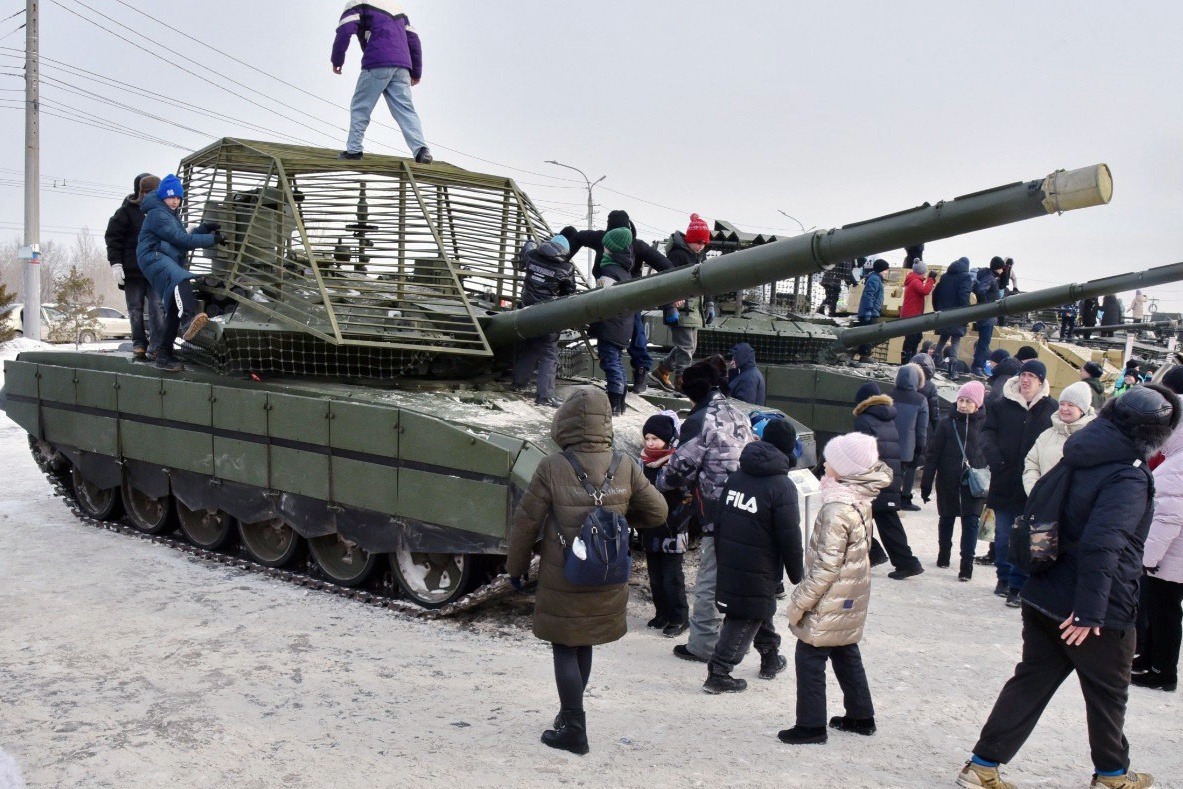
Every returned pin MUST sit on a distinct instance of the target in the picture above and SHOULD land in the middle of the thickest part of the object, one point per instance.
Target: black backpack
(602, 540)
(1035, 539)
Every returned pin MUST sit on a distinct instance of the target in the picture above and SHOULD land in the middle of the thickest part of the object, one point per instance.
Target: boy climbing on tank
(547, 274)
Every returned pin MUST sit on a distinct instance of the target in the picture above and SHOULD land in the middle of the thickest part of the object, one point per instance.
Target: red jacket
(916, 288)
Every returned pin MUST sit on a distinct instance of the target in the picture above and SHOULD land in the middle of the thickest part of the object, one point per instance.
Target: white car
(109, 322)
(14, 316)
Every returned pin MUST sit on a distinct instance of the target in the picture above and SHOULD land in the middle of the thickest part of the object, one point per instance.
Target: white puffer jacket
(1049, 448)
(1164, 544)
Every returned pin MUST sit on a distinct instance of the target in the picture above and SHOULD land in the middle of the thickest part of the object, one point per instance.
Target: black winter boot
(988, 558)
(573, 734)
(617, 401)
(967, 570)
(943, 557)
(863, 726)
(772, 664)
(640, 380)
(803, 735)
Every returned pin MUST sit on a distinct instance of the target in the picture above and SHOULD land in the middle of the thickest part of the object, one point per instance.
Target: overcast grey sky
(831, 112)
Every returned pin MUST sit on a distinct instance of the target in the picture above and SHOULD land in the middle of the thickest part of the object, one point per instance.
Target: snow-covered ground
(126, 664)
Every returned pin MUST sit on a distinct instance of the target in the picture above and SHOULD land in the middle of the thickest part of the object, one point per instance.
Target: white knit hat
(851, 454)
(1080, 395)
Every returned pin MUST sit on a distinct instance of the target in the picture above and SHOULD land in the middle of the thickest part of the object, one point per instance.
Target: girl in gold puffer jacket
(829, 607)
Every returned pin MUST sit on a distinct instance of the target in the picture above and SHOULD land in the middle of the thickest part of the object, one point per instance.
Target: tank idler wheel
(432, 580)
(270, 542)
(344, 562)
(149, 515)
(103, 504)
(209, 529)
(48, 459)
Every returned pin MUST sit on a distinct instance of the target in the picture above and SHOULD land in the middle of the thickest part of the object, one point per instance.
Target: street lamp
(590, 183)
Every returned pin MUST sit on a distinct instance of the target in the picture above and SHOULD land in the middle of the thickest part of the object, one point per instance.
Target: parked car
(109, 322)
(14, 317)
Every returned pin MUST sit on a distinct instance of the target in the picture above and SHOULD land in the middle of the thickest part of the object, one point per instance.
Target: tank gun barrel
(1063, 190)
(1115, 327)
(1011, 305)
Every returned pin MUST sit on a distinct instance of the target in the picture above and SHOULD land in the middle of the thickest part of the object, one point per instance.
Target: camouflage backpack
(1035, 540)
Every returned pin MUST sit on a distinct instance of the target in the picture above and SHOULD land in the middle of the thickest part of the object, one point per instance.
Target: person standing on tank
(162, 254)
(122, 237)
(641, 255)
(391, 64)
(711, 441)
(574, 619)
(986, 289)
(870, 306)
(547, 274)
(917, 287)
(687, 316)
(613, 333)
(952, 293)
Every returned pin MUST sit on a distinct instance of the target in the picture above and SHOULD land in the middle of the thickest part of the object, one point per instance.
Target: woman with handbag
(549, 518)
(957, 466)
(1075, 411)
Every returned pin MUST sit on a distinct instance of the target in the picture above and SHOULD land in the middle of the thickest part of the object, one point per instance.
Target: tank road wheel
(148, 514)
(101, 503)
(432, 579)
(209, 529)
(341, 560)
(271, 542)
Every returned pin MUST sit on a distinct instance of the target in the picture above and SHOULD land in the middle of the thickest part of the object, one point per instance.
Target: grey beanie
(920, 267)
(1080, 395)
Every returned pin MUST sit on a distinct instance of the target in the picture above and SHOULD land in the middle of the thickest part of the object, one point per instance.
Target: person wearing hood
(1013, 423)
(952, 293)
(757, 541)
(1138, 306)
(550, 515)
(547, 274)
(828, 609)
(875, 415)
(1111, 313)
(712, 439)
(917, 287)
(122, 237)
(744, 380)
(955, 446)
(614, 334)
(870, 306)
(1091, 374)
(1002, 370)
(1074, 413)
(911, 421)
(687, 316)
(638, 256)
(1159, 636)
(986, 290)
(1088, 312)
(162, 253)
(1079, 614)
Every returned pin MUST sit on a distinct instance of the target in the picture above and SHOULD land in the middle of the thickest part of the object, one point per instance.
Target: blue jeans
(611, 364)
(638, 349)
(1003, 523)
(395, 84)
(136, 290)
(982, 349)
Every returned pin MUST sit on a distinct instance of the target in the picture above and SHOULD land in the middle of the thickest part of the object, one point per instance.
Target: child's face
(653, 442)
(966, 406)
(172, 202)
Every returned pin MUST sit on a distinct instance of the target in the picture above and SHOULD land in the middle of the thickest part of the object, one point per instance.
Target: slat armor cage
(379, 252)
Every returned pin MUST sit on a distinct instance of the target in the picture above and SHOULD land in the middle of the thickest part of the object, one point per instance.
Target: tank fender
(309, 517)
(102, 471)
(148, 478)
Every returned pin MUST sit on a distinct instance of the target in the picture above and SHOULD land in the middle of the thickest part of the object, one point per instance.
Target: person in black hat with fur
(757, 540)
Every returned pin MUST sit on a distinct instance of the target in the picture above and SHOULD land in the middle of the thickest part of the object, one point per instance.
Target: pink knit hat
(851, 454)
(973, 391)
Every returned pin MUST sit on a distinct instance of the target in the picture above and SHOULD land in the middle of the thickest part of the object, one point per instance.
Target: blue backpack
(599, 554)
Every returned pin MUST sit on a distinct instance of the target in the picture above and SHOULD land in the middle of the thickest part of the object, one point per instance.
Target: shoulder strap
(960, 443)
(596, 494)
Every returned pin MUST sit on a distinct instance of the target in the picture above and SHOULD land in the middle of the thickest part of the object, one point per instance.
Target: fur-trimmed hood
(882, 400)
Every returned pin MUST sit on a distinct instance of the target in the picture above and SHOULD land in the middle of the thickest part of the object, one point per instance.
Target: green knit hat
(618, 240)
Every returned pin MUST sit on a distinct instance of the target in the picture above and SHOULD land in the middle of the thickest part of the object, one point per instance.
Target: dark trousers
(541, 353)
(982, 347)
(638, 347)
(895, 540)
(942, 341)
(831, 299)
(137, 291)
(909, 480)
(612, 365)
(737, 636)
(865, 350)
(1102, 663)
(810, 664)
(572, 671)
(1162, 630)
(180, 309)
(969, 536)
(911, 346)
(668, 584)
(1067, 326)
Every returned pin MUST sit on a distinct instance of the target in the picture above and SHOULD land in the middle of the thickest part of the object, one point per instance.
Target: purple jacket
(382, 30)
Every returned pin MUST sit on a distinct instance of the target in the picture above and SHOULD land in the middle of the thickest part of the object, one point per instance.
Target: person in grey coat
(911, 421)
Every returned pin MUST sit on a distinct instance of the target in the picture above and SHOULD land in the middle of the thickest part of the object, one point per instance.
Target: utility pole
(31, 251)
(590, 208)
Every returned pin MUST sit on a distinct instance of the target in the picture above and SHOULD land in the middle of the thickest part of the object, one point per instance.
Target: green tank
(344, 415)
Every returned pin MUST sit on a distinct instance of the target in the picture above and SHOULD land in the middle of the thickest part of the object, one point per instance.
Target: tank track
(497, 588)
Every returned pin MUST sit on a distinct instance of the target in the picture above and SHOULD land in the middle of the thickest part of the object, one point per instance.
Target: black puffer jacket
(875, 416)
(547, 273)
(123, 233)
(617, 329)
(642, 254)
(944, 467)
(745, 382)
(986, 289)
(952, 292)
(911, 412)
(757, 534)
(1103, 531)
(1009, 433)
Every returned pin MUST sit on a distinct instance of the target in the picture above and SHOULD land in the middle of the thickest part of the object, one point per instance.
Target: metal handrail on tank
(1010, 305)
(1127, 327)
(814, 252)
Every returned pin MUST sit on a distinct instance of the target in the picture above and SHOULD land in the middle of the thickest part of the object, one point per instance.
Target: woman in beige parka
(829, 607)
(576, 618)
(1075, 411)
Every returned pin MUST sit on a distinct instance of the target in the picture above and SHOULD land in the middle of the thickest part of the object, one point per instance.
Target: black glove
(517, 582)
(220, 239)
(213, 227)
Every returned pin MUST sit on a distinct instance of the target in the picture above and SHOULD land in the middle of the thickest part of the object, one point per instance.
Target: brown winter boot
(199, 322)
(1130, 780)
(662, 375)
(972, 775)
